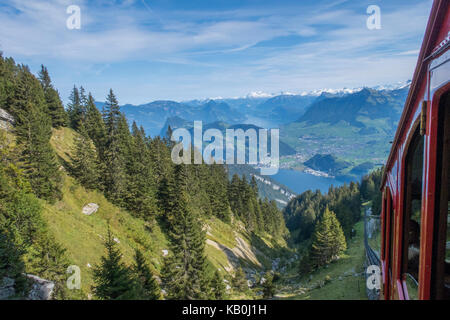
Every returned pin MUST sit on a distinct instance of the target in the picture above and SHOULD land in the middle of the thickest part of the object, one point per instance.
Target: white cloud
(338, 50)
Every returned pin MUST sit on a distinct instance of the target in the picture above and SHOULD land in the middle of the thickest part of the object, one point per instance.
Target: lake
(300, 182)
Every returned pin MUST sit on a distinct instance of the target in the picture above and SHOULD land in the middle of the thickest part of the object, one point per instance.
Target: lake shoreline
(301, 181)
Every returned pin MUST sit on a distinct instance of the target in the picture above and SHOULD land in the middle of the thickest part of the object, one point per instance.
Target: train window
(412, 216)
(442, 236)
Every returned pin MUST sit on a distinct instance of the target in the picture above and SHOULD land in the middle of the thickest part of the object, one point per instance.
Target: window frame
(441, 212)
(406, 199)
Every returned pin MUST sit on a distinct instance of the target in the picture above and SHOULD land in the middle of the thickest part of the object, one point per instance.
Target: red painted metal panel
(435, 42)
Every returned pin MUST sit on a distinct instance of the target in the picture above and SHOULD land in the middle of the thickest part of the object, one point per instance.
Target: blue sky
(179, 50)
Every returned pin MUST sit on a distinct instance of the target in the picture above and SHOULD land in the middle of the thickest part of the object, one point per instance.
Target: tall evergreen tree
(55, 106)
(217, 191)
(149, 289)
(113, 280)
(167, 199)
(141, 196)
(114, 158)
(239, 280)
(339, 244)
(33, 130)
(328, 239)
(75, 109)
(11, 262)
(268, 286)
(48, 259)
(85, 163)
(218, 287)
(94, 124)
(184, 271)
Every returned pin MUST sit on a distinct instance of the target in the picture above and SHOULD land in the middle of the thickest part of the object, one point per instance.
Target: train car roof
(427, 51)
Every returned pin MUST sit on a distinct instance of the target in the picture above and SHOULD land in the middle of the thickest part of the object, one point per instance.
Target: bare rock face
(90, 208)
(6, 120)
(7, 288)
(41, 289)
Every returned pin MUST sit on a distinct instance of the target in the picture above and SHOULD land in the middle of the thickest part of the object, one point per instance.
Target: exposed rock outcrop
(7, 288)
(6, 120)
(41, 289)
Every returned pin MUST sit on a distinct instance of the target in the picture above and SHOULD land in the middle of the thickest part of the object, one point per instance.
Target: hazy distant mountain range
(354, 125)
(177, 122)
(152, 116)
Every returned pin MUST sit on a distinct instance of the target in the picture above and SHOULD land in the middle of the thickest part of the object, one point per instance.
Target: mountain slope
(283, 108)
(355, 127)
(367, 103)
(228, 246)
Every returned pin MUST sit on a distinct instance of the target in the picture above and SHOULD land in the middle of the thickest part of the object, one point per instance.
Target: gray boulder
(7, 288)
(90, 208)
(41, 289)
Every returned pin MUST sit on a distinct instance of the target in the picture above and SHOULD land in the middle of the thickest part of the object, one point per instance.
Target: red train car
(415, 218)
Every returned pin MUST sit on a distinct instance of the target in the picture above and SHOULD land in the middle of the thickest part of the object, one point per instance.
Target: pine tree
(39, 159)
(254, 185)
(33, 130)
(54, 104)
(218, 287)
(85, 163)
(339, 244)
(239, 280)
(149, 289)
(250, 217)
(184, 271)
(94, 124)
(217, 190)
(141, 196)
(304, 263)
(167, 198)
(268, 286)
(48, 260)
(235, 196)
(321, 245)
(75, 109)
(11, 262)
(328, 239)
(113, 280)
(115, 145)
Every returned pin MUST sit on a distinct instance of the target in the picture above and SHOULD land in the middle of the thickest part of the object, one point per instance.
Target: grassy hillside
(227, 246)
(340, 280)
(83, 235)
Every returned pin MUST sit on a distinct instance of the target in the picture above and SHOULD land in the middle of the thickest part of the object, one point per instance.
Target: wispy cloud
(150, 51)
